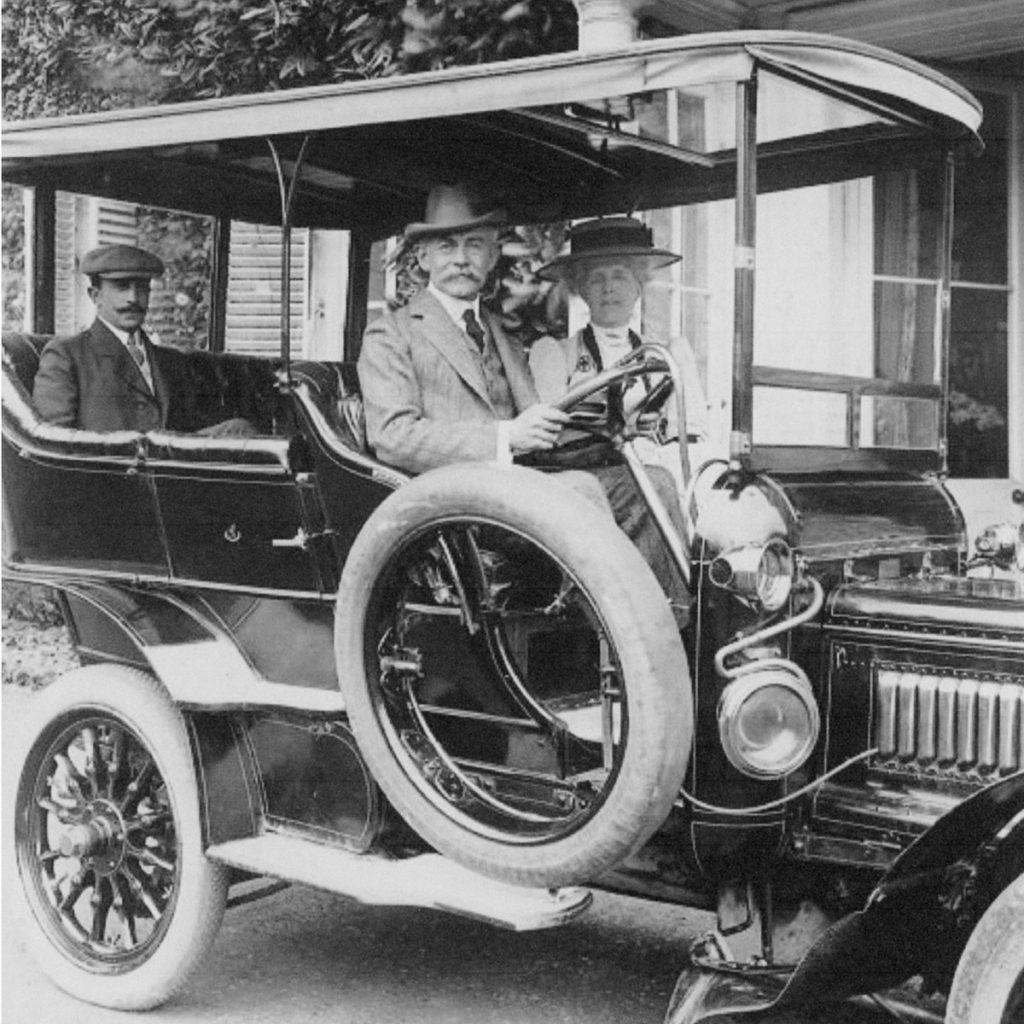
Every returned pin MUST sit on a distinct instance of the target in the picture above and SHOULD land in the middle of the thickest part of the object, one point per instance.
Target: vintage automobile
(465, 690)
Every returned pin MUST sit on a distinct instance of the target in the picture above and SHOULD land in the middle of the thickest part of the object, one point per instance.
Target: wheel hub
(97, 837)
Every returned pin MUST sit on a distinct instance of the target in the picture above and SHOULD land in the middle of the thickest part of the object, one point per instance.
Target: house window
(979, 307)
(908, 236)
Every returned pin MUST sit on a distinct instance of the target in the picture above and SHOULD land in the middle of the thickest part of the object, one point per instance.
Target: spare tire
(513, 674)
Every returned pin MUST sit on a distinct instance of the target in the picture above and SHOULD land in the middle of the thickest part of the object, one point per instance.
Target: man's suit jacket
(424, 393)
(91, 382)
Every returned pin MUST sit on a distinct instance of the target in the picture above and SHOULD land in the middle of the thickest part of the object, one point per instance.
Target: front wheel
(988, 987)
(119, 900)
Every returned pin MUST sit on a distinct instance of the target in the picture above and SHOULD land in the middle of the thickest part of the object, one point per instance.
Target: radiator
(930, 720)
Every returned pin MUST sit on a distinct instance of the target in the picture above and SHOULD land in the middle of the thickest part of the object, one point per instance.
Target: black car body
(300, 663)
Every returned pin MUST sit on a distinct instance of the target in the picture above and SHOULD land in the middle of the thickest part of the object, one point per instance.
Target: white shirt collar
(117, 332)
(455, 307)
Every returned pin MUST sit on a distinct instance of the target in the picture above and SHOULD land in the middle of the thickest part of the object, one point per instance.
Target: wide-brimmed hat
(121, 262)
(607, 238)
(451, 209)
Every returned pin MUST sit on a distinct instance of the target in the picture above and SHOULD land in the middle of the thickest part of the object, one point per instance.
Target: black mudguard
(937, 888)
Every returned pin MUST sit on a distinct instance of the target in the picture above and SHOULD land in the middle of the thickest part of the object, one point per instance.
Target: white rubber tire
(988, 987)
(136, 701)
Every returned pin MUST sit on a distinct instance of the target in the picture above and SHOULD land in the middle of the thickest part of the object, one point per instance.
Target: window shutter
(254, 290)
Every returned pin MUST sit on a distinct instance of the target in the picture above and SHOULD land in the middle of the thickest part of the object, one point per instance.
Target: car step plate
(428, 880)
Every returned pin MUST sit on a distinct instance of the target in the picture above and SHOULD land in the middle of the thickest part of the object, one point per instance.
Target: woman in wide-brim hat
(608, 263)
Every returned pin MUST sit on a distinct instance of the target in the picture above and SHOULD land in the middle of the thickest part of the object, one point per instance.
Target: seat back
(334, 387)
(21, 354)
(206, 388)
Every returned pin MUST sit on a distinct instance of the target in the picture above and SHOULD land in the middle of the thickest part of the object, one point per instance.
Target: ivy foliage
(79, 56)
(185, 244)
(13, 248)
(74, 56)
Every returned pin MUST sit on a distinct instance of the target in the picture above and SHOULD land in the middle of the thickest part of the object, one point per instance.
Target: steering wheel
(641, 362)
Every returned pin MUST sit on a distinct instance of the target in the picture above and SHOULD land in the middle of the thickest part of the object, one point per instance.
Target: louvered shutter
(254, 290)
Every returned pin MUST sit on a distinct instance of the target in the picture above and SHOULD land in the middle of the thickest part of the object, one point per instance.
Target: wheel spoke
(142, 892)
(115, 762)
(136, 788)
(48, 803)
(100, 901)
(123, 908)
(92, 767)
(148, 821)
(68, 777)
(78, 886)
(148, 857)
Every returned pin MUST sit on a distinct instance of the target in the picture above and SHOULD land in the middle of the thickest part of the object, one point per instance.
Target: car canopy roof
(377, 146)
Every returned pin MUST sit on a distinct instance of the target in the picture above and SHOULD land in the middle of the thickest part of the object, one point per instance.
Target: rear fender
(260, 746)
(182, 640)
(939, 887)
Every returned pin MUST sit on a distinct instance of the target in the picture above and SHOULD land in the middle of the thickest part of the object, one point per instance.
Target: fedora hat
(608, 238)
(451, 209)
(121, 261)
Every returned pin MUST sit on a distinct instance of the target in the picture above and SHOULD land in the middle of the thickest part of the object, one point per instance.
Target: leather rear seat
(207, 388)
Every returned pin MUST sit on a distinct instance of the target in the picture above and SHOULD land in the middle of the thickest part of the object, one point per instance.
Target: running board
(428, 880)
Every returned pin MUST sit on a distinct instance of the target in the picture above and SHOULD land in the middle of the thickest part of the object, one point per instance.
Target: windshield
(847, 298)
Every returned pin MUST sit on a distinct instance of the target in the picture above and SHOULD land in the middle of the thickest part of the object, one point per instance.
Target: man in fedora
(609, 261)
(105, 378)
(442, 384)
(108, 377)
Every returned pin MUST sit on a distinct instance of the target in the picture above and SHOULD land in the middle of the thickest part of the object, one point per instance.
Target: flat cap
(121, 261)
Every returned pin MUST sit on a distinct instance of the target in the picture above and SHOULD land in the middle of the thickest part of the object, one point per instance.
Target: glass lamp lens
(772, 728)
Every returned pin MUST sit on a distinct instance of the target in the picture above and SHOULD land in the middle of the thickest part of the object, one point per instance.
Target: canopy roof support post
(40, 253)
(359, 269)
(740, 438)
(945, 298)
(219, 283)
(287, 193)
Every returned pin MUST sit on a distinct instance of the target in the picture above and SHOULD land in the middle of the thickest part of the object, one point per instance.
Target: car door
(234, 513)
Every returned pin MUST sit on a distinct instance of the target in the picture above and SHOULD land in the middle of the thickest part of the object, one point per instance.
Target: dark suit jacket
(91, 382)
(424, 393)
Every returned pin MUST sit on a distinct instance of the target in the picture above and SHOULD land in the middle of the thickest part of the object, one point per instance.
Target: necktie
(136, 349)
(474, 330)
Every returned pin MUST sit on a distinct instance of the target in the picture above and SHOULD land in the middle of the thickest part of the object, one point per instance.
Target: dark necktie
(474, 330)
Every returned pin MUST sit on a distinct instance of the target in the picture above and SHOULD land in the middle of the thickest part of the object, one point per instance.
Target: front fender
(939, 887)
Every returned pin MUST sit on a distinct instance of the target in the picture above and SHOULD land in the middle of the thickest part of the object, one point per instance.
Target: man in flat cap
(442, 383)
(106, 378)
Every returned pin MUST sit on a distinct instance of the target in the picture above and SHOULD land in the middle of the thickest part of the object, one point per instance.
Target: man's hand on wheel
(536, 428)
